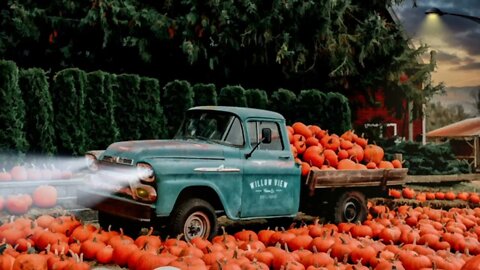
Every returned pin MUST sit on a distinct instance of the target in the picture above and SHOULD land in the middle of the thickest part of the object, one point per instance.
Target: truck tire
(350, 207)
(194, 218)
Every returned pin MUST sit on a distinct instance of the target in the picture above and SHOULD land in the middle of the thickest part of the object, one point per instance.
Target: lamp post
(441, 13)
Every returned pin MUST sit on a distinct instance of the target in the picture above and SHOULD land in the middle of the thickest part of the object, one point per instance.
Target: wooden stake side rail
(355, 178)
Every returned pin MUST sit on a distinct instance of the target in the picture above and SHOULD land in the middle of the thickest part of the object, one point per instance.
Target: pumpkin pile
(44, 196)
(422, 196)
(408, 238)
(33, 172)
(316, 149)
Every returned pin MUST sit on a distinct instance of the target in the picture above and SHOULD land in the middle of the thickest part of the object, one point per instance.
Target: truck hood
(140, 150)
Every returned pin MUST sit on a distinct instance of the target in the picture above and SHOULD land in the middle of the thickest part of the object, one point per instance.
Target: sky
(456, 41)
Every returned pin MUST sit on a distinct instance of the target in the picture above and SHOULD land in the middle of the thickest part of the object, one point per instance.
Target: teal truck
(228, 161)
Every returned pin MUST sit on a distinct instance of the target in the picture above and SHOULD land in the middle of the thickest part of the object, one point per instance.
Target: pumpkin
(314, 156)
(45, 196)
(33, 173)
(30, 262)
(302, 129)
(5, 176)
(105, 255)
(6, 260)
(331, 157)
(299, 143)
(19, 173)
(373, 153)
(18, 204)
(346, 164)
(330, 142)
(91, 247)
(385, 165)
(397, 164)
(408, 193)
(44, 220)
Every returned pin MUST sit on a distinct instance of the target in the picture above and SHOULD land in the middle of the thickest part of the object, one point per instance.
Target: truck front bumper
(115, 205)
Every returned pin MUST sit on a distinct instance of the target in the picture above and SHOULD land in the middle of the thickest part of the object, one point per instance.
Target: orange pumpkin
(385, 165)
(317, 131)
(18, 204)
(330, 142)
(331, 157)
(19, 173)
(373, 153)
(314, 156)
(30, 262)
(45, 196)
(346, 164)
(299, 143)
(397, 164)
(5, 176)
(302, 129)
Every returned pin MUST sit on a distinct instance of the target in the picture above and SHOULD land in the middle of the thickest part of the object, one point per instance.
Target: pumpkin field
(414, 228)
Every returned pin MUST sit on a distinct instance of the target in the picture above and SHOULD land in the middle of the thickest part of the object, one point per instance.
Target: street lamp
(441, 13)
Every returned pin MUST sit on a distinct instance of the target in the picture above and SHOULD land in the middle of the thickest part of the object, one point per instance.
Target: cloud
(471, 66)
(449, 58)
(469, 41)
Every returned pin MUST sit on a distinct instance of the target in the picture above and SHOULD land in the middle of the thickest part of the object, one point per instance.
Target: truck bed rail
(355, 178)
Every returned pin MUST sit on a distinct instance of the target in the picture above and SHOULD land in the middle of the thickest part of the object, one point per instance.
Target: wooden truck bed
(355, 178)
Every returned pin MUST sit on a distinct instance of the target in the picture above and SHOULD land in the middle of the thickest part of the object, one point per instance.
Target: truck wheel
(350, 207)
(194, 218)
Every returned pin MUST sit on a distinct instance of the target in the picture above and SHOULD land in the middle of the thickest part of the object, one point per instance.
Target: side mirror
(266, 135)
(266, 138)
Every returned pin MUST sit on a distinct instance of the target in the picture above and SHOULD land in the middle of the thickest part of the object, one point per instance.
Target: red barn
(377, 119)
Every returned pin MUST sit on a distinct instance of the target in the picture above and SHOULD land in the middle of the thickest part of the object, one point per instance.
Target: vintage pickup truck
(223, 161)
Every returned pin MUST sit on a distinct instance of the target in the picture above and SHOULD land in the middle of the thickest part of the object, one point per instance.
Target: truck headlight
(145, 172)
(91, 162)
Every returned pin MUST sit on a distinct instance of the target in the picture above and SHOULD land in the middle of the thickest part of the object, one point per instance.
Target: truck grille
(118, 160)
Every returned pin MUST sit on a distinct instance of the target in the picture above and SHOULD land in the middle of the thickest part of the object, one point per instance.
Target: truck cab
(223, 161)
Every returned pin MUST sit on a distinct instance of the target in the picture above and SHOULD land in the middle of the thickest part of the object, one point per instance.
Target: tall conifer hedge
(151, 122)
(232, 95)
(68, 94)
(337, 113)
(177, 98)
(39, 125)
(284, 102)
(311, 107)
(205, 94)
(127, 88)
(101, 129)
(12, 110)
(256, 98)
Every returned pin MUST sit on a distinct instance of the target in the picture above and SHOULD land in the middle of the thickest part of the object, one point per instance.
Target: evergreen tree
(68, 95)
(12, 110)
(232, 95)
(39, 125)
(102, 129)
(177, 99)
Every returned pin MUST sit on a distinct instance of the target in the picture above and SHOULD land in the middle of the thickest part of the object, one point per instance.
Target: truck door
(271, 180)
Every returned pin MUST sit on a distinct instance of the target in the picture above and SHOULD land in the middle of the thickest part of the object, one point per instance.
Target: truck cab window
(235, 133)
(212, 126)
(255, 131)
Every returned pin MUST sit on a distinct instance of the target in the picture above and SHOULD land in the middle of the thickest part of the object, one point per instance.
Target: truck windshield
(212, 126)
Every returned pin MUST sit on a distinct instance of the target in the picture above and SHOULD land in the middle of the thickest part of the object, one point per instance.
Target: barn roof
(466, 128)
